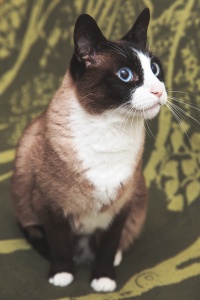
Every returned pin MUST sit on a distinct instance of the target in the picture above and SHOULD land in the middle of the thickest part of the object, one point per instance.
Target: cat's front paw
(103, 284)
(61, 279)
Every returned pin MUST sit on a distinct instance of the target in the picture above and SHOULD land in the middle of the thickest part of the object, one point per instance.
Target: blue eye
(125, 74)
(155, 68)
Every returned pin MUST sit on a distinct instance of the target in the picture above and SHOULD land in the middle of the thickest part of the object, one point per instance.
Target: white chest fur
(96, 221)
(108, 146)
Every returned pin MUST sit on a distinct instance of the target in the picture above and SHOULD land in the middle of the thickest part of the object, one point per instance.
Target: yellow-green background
(36, 42)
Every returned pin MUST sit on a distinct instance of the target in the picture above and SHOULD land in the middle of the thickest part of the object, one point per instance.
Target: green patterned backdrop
(36, 42)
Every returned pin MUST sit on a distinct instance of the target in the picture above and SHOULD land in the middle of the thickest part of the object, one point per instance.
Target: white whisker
(181, 92)
(118, 108)
(178, 113)
(123, 121)
(148, 126)
(185, 113)
(177, 117)
(128, 116)
(184, 102)
(132, 141)
(146, 129)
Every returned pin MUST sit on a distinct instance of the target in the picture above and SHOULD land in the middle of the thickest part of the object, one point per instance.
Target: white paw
(61, 279)
(118, 258)
(103, 284)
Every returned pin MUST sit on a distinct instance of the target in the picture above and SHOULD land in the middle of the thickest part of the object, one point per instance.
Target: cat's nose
(157, 91)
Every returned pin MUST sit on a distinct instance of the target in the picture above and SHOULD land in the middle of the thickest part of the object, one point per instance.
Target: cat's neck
(112, 131)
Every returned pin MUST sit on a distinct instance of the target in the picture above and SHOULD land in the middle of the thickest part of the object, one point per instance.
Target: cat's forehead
(125, 52)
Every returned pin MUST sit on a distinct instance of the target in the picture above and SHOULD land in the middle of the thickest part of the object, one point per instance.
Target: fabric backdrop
(35, 48)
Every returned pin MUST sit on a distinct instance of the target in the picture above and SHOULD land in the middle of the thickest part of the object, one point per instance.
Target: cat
(78, 168)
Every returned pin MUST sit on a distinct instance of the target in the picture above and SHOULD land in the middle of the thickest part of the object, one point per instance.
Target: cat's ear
(87, 39)
(138, 33)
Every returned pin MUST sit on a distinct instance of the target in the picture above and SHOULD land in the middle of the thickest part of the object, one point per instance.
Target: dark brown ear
(138, 33)
(87, 38)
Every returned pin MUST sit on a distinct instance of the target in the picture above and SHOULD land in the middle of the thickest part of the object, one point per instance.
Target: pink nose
(157, 91)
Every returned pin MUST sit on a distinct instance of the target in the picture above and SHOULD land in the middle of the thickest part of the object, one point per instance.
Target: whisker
(119, 49)
(184, 102)
(131, 138)
(177, 117)
(185, 113)
(170, 107)
(118, 108)
(179, 113)
(146, 129)
(157, 52)
(129, 115)
(115, 111)
(126, 51)
(148, 126)
(149, 47)
(137, 124)
(116, 49)
(145, 123)
(123, 120)
(181, 92)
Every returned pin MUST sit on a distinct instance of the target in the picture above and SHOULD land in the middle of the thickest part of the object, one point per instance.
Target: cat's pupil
(124, 73)
(155, 68)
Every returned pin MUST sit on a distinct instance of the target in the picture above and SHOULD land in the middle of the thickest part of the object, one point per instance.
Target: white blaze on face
(148, 98)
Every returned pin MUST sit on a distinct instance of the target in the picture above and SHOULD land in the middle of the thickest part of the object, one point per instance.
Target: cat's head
(124, 73)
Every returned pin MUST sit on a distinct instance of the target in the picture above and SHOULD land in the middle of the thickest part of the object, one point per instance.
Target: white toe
(61, 279)
(103, 284)
(118, 258)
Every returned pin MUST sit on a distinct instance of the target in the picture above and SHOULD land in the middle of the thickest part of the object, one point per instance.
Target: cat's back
(28, 158)
(30, 143)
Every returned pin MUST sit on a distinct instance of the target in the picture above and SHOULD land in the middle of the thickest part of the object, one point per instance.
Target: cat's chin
(149, 113)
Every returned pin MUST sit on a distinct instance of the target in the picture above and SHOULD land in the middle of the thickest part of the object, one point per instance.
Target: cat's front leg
(103, 275)
(60, 240)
